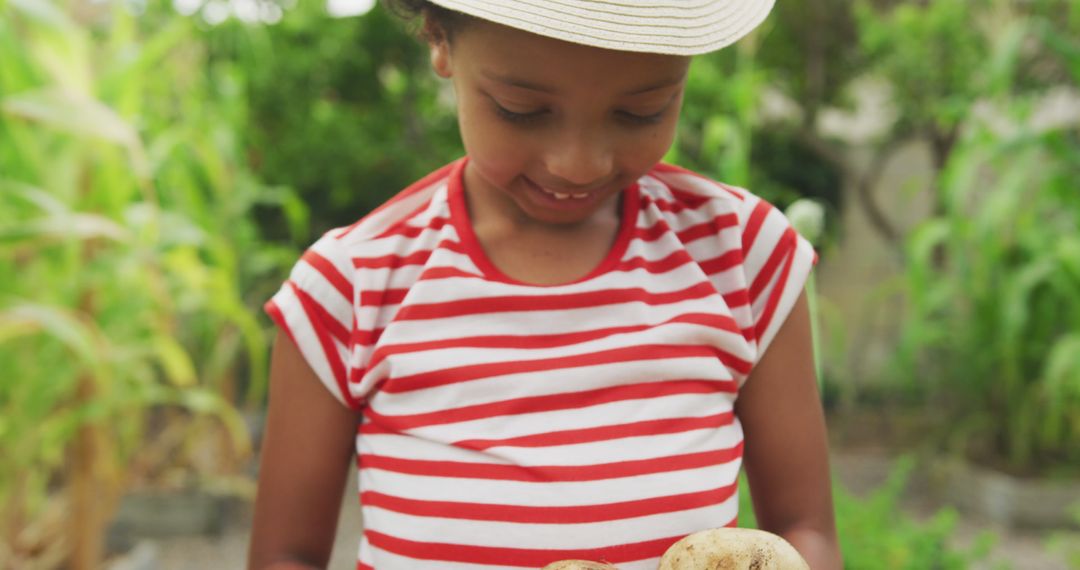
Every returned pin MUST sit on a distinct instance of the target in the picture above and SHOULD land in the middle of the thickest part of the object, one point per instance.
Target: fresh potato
(732, 549)
(578, 565)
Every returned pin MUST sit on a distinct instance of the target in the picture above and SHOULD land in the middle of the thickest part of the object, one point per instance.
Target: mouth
(560, 195)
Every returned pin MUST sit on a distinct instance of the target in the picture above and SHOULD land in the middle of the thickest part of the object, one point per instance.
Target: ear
(439, 44)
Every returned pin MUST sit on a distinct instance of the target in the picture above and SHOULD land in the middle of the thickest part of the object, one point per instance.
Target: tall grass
(127, 247)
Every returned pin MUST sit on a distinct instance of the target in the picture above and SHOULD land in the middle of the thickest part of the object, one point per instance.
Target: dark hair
(450, 21)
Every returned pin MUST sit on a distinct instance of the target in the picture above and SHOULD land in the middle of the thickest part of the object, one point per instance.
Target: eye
(636, 119)
(519, 118)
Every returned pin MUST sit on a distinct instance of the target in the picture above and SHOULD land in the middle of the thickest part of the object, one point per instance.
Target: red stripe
(404, 230)
(379, 423)
(433, 273)
(403, 221)
(552, 473)
(753, 225)
(673, 261)
(653, 232)
(737, 298)
(774, 299)
(779, 253)
(637, 353)
(323, 318)
(727, 260)
(330, 273)
(381, 297)
(577, 514)
(673, 207)
(707, 229)
(392, 261)
(588, 299)
(603, 433)
(715, 321)
(276, 315)
(520, 557)
(361, 337)
(329, 350)
(692, 199)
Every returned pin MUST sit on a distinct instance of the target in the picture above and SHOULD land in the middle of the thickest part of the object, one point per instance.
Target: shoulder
(689, 185)
(687, 197)
(421, 205)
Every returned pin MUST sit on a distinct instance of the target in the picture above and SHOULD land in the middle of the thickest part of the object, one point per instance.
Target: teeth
(562, 196)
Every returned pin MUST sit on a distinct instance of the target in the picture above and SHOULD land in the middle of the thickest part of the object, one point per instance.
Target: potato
(578, 565)
(732, 549)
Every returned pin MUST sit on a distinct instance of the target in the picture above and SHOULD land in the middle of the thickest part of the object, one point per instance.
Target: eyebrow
(525, 84)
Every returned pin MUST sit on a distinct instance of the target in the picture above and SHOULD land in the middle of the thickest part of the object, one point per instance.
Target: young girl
(556, 347)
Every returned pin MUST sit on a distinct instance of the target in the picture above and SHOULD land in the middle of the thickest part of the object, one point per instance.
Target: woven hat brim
(676, 27)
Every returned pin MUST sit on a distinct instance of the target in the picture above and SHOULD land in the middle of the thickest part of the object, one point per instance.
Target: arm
(786, 452)
(305, 460)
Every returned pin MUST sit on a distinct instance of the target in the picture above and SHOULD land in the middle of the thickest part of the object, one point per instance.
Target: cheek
(640, 153)
(492, 147)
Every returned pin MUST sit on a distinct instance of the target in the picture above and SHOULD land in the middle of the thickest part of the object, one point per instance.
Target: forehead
(495, 51)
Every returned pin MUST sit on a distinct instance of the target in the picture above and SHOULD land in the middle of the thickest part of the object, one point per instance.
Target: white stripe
(599, 453)
(550, 536)
(322, 292)
(613, 413)
(436, 488)
(308, 341)
(541, 383)
(792, 289)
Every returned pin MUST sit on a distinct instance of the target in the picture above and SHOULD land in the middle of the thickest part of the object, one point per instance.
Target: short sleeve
(777, 261)
(315, 308)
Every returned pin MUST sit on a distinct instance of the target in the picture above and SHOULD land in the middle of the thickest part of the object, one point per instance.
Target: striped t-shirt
(512, 425)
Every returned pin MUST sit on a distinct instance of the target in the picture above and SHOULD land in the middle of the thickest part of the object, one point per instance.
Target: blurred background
(163, 164)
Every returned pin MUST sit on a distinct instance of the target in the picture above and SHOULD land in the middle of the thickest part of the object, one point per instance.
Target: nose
(580, 158)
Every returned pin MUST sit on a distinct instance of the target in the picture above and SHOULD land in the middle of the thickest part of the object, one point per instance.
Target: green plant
(346, 111)
(993, 334)
(876, 534)
(124, 320)
(1064, 542)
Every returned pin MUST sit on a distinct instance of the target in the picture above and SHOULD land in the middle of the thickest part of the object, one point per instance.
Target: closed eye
(642, 119)
(535, 116)
(519, 118)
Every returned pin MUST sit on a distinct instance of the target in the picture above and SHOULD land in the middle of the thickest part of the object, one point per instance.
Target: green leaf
(70, 226)
(179, 368)
(926, 237)
(1017, 296)
(1005, 60)
(61, 324)
(70, 112)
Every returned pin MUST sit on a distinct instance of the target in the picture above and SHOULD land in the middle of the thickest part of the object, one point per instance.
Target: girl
(556, 347)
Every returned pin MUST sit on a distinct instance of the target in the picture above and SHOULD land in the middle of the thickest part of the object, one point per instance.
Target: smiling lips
(562, 195)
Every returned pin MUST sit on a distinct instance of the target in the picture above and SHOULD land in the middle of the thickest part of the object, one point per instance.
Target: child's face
(541, 117)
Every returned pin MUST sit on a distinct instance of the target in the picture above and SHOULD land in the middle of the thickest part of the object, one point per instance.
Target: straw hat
(677, 27)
